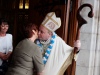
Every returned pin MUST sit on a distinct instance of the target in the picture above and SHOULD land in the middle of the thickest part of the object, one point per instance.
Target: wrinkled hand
(77, 44)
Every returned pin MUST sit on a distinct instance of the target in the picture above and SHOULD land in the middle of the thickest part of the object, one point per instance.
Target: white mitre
(51, 22)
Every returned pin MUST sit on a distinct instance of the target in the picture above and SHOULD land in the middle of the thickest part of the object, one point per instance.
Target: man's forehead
(42, 27)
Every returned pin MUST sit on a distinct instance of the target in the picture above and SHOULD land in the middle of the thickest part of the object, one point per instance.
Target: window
(24, 4)
(21, 4)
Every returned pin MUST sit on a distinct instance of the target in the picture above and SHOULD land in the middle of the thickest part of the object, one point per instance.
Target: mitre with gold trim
(51, 22)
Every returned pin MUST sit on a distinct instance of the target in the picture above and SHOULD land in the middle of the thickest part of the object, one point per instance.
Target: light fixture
(26, 4)
(21, 4)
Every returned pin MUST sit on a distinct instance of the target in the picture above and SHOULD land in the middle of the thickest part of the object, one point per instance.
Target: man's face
(43, 33)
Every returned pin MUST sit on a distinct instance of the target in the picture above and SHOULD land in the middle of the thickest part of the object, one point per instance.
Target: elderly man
(57, 55)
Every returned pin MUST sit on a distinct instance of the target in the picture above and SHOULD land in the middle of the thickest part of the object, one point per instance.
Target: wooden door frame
(72, 28)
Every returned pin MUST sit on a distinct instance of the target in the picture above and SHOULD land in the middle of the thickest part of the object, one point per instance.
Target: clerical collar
(45, 41)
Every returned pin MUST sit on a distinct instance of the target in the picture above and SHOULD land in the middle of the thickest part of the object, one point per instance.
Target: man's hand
(77, 44)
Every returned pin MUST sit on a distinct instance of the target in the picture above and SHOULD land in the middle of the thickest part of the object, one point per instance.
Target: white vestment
(60, 58)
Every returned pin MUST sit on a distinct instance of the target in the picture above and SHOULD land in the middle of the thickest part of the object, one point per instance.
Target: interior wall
(86, 59)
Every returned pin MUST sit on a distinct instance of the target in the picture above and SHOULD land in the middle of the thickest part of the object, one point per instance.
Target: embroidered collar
(49, 48)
